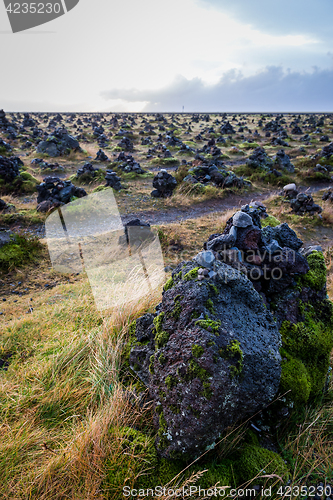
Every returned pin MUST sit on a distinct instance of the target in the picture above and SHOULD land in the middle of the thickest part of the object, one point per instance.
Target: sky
(149, 55)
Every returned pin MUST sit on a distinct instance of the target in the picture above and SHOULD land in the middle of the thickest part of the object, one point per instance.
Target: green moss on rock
(210, 306)
(233, 351)
(295, 378)
(213, 288)
(192, 275)
(19, 252)
(209, 324)
(168, 285)
(151, 363)
(256, 461)
(123, 472)
(161, 337)
(196, 371)
(171, 381)
(307, 344)
(316, 276)
(177, 309)
(270, 221)
(197, 350)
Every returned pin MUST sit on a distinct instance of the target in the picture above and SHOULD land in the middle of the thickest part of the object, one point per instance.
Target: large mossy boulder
(226, 341)
(213, 356)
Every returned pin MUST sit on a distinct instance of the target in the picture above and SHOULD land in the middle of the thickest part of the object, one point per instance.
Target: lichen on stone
(191, 275)
(231, 352)
(209, 324)
(210, 306)
(197, 350)
(171, 381)
(168, 285)
(161, 336)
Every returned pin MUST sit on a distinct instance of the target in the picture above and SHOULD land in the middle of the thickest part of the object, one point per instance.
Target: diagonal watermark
(122, 264)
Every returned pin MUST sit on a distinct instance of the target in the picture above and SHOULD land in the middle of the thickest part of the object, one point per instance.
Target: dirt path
(207, 207)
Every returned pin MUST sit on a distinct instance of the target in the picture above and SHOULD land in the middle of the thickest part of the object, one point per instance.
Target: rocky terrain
(227, 368)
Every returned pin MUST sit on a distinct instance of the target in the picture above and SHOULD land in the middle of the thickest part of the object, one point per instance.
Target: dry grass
(60, 396)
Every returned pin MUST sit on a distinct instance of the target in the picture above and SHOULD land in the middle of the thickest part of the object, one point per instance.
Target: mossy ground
(19, 252)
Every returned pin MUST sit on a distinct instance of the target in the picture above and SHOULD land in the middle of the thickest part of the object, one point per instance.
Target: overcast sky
(149, 55)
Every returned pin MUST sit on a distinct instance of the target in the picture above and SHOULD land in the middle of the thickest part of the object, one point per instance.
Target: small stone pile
(164, 184)
(327, 151)
(87, 170)
(303, 204)
(102, 141)
(138, 236)
(9, 168)
(227, 129)
(128, 164)
(59, 143)
(259, 159)
(296, 130)
(53, 192)
(205, 174)
(101, 156)
(43, 165)
(126, 144)
(4, 123)
(282, 162)
(28, 121)
(112, 180)
(328, 195)
(3, 205)
(4, 146)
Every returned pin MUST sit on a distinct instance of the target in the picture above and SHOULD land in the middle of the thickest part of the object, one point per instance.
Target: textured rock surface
(58, 144)
(57, 192)
(164, 184)
(213, 352)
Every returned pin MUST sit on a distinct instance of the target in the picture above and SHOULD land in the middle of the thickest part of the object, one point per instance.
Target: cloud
(272, 89)
(283, 17)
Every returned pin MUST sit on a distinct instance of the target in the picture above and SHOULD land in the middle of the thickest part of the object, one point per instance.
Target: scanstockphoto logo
(24, 15)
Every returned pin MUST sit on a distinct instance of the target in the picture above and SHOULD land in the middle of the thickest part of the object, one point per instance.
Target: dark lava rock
(283, 234)
(327, 151)
(58, 192)
(9, 169)
(328, 195)
(303, 204)
(112, 180)
(227, 129)
(101, 156)
(259, 159)
(164, 184)
(128, 164)
(6, 236)
(214, 359)
(4, 123)
(4, 146)
(282, 161)
(3, 205)
(59, 143)
(297, 130)
(126, 144)
(46, 206)
(278, 141)
(86, 170)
